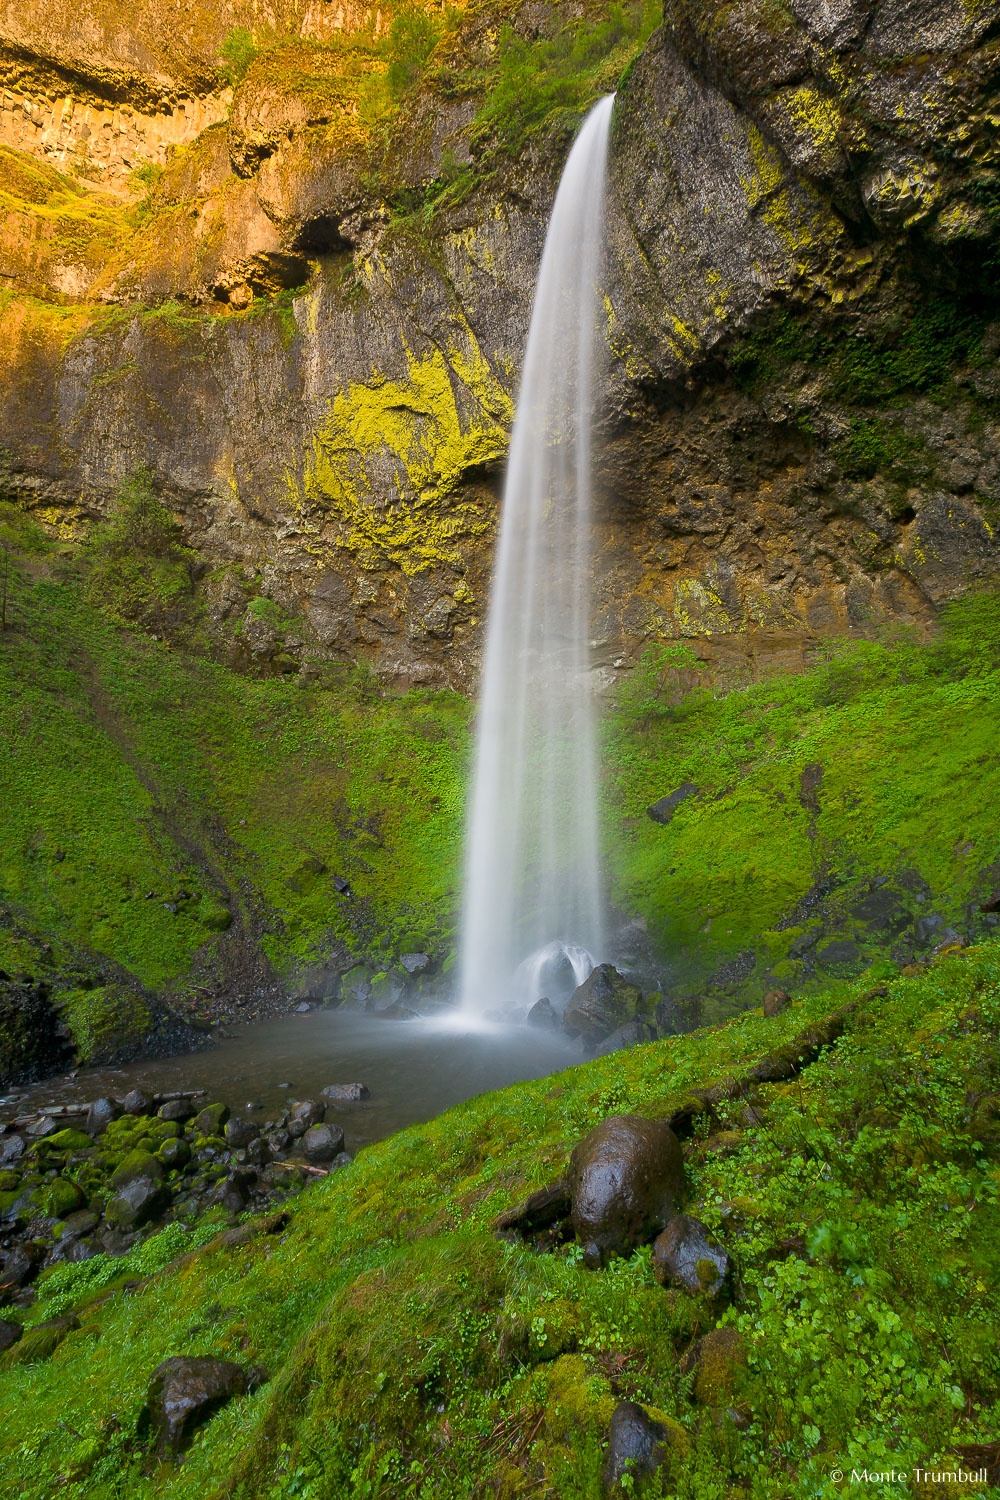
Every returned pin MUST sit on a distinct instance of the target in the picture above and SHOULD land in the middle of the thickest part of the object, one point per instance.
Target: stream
(415, 1069)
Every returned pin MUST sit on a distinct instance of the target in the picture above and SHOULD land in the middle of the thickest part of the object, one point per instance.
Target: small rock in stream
(345, 1093)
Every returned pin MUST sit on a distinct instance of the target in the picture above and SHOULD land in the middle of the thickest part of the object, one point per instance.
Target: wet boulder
(176, 1109)
(685, 1256)
(321, 1143)
(137, 1102)
(138, 1164)
(626, 1181)
(19, 1268)
(605, 1001)
(305, 1113)
(640, 1445)
(100, 1115)
(185, 1392)
(632, 1034)
(543, 1015)
(10, 1332)
(11, 1149)
(212, 1119)
(239, 1133)
(232, 1193)
(345, 1093)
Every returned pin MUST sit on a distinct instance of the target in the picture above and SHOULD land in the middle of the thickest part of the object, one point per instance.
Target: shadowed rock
(321, 1143)
(100, 1114)
(543, 1014)
(638, 1446)
(184, 1392)
(10, 1332)
(605, 1001)
(685, 1256)
(136, 1203)
(626, 1180)
(305, 1114)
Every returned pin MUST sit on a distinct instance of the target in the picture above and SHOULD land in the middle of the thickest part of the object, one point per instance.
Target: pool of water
(414, 1068)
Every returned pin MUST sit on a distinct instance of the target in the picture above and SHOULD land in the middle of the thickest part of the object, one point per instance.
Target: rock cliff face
(309, 328)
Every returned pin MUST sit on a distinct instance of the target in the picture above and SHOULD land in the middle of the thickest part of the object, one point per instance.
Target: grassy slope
(413, 1354)
(906, 736)
(153, 771)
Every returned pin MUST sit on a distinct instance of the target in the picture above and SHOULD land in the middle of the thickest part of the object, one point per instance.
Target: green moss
(106, 1022)
(726, 877)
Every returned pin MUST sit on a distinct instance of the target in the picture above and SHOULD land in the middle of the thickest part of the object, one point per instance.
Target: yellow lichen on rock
(390, 453)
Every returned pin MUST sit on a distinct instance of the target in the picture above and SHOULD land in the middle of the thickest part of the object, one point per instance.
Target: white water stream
(532, 911)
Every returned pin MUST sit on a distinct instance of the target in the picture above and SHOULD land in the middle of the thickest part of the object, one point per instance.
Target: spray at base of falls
(532, 920)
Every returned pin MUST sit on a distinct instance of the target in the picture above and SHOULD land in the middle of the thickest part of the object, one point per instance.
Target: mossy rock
(59, 1199)
(69, 1140)
(211, 1120)
(174, 1155)
(160, 1131)
(38, 1343)
(718, 1363)
(137, 1164)
(9, 1180)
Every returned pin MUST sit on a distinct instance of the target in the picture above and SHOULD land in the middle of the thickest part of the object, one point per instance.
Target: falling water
(532, 919)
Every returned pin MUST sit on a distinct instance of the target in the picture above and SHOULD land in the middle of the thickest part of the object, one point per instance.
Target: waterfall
(532, 919)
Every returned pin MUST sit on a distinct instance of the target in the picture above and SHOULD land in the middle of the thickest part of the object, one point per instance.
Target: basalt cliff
(284, 264)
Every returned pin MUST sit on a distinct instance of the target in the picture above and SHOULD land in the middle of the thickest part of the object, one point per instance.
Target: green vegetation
(151, 797)
(900, 738)
(413, 1354)
(160, 807)
(552, 81)
(916, 354)
(141, 574)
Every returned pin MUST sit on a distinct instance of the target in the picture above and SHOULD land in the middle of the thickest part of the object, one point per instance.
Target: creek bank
(69, 1193)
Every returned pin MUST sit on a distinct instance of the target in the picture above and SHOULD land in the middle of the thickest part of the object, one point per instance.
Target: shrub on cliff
(140, 573)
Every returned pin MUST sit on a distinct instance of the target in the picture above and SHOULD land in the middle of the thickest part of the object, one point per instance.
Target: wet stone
(305, 1113)
(345, 1093)
(239, 1133)
(11, 1149)
(685, 1256)
(176, 1109)
(636, 1447)
(136, 1203)
(321, 1143)
(136, 1102)
(100, 1115)
(626, 1180)
(185, 1392)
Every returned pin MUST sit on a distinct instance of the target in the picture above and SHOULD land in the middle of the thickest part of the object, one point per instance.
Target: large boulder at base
(100, 1115)
(632, 1034)
(639, 1445)
(184, 1392)
(626, 1181)
(137, 1164)
(685, 1256)
(604, 1001)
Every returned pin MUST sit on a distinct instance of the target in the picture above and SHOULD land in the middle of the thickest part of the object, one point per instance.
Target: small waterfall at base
(532, 920)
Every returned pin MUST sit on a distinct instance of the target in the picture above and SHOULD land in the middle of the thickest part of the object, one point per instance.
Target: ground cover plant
(412, 1353)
